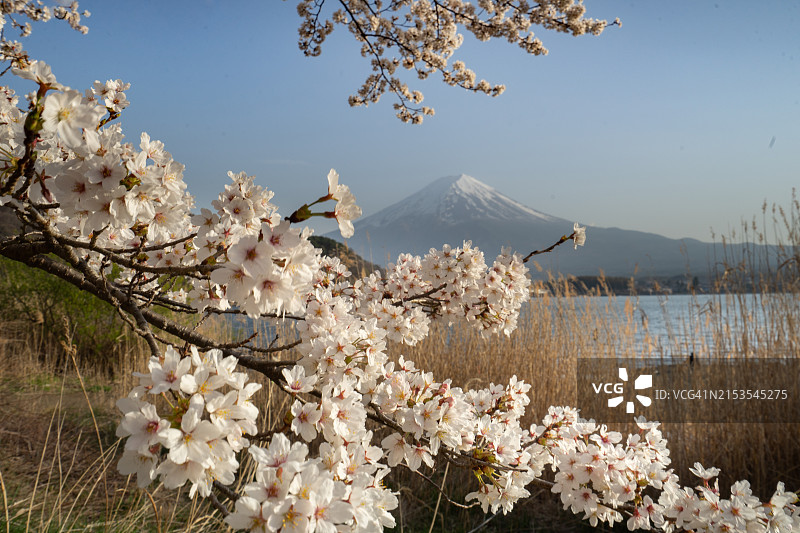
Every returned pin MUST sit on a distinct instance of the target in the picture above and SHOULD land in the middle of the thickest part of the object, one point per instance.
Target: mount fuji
(458, 208)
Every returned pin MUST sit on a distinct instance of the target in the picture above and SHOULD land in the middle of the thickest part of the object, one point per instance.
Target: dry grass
(57, 433)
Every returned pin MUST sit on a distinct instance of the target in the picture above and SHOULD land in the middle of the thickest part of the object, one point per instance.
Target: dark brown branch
(275, 349)
(422, 295)
(264, 435)
(376, 416)
(218, 505)
(163, 301)
(226, 491)
(156, 247)
(193, 270)
(562, 240)
(241, 312)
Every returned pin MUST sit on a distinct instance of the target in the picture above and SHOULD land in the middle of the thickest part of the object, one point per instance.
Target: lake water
(677, 325)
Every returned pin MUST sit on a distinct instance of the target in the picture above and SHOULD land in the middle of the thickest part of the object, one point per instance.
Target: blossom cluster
(346, 209)
(429, 35)
(599, 474)
(450, 283)
(97, 185)
(343, 347)
(208, 411)
(115, 200)
(265, 264)
(340, 490)
(12, 10)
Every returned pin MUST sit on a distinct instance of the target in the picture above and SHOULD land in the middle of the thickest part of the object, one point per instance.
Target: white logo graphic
(645, 381)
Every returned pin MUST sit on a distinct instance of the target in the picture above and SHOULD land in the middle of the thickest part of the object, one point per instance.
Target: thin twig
(440, 490)
(439, 498)
(480, 526)
(275, 349)
(562, 240)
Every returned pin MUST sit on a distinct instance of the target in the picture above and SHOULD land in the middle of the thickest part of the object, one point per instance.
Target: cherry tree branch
(559, 242)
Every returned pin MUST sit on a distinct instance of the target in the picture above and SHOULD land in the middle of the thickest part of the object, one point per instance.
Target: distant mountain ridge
(456, 208)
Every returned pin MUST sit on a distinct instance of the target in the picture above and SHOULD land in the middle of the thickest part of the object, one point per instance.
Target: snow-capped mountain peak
(452, 200)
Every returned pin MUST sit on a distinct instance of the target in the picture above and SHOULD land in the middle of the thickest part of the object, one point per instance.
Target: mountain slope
(354, 263)
(453, 200)
(458, 208)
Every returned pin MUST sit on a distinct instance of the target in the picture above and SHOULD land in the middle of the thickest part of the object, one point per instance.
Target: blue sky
(662, 125)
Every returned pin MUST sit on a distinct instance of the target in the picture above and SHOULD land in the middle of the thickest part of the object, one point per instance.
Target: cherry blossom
(579, 235)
